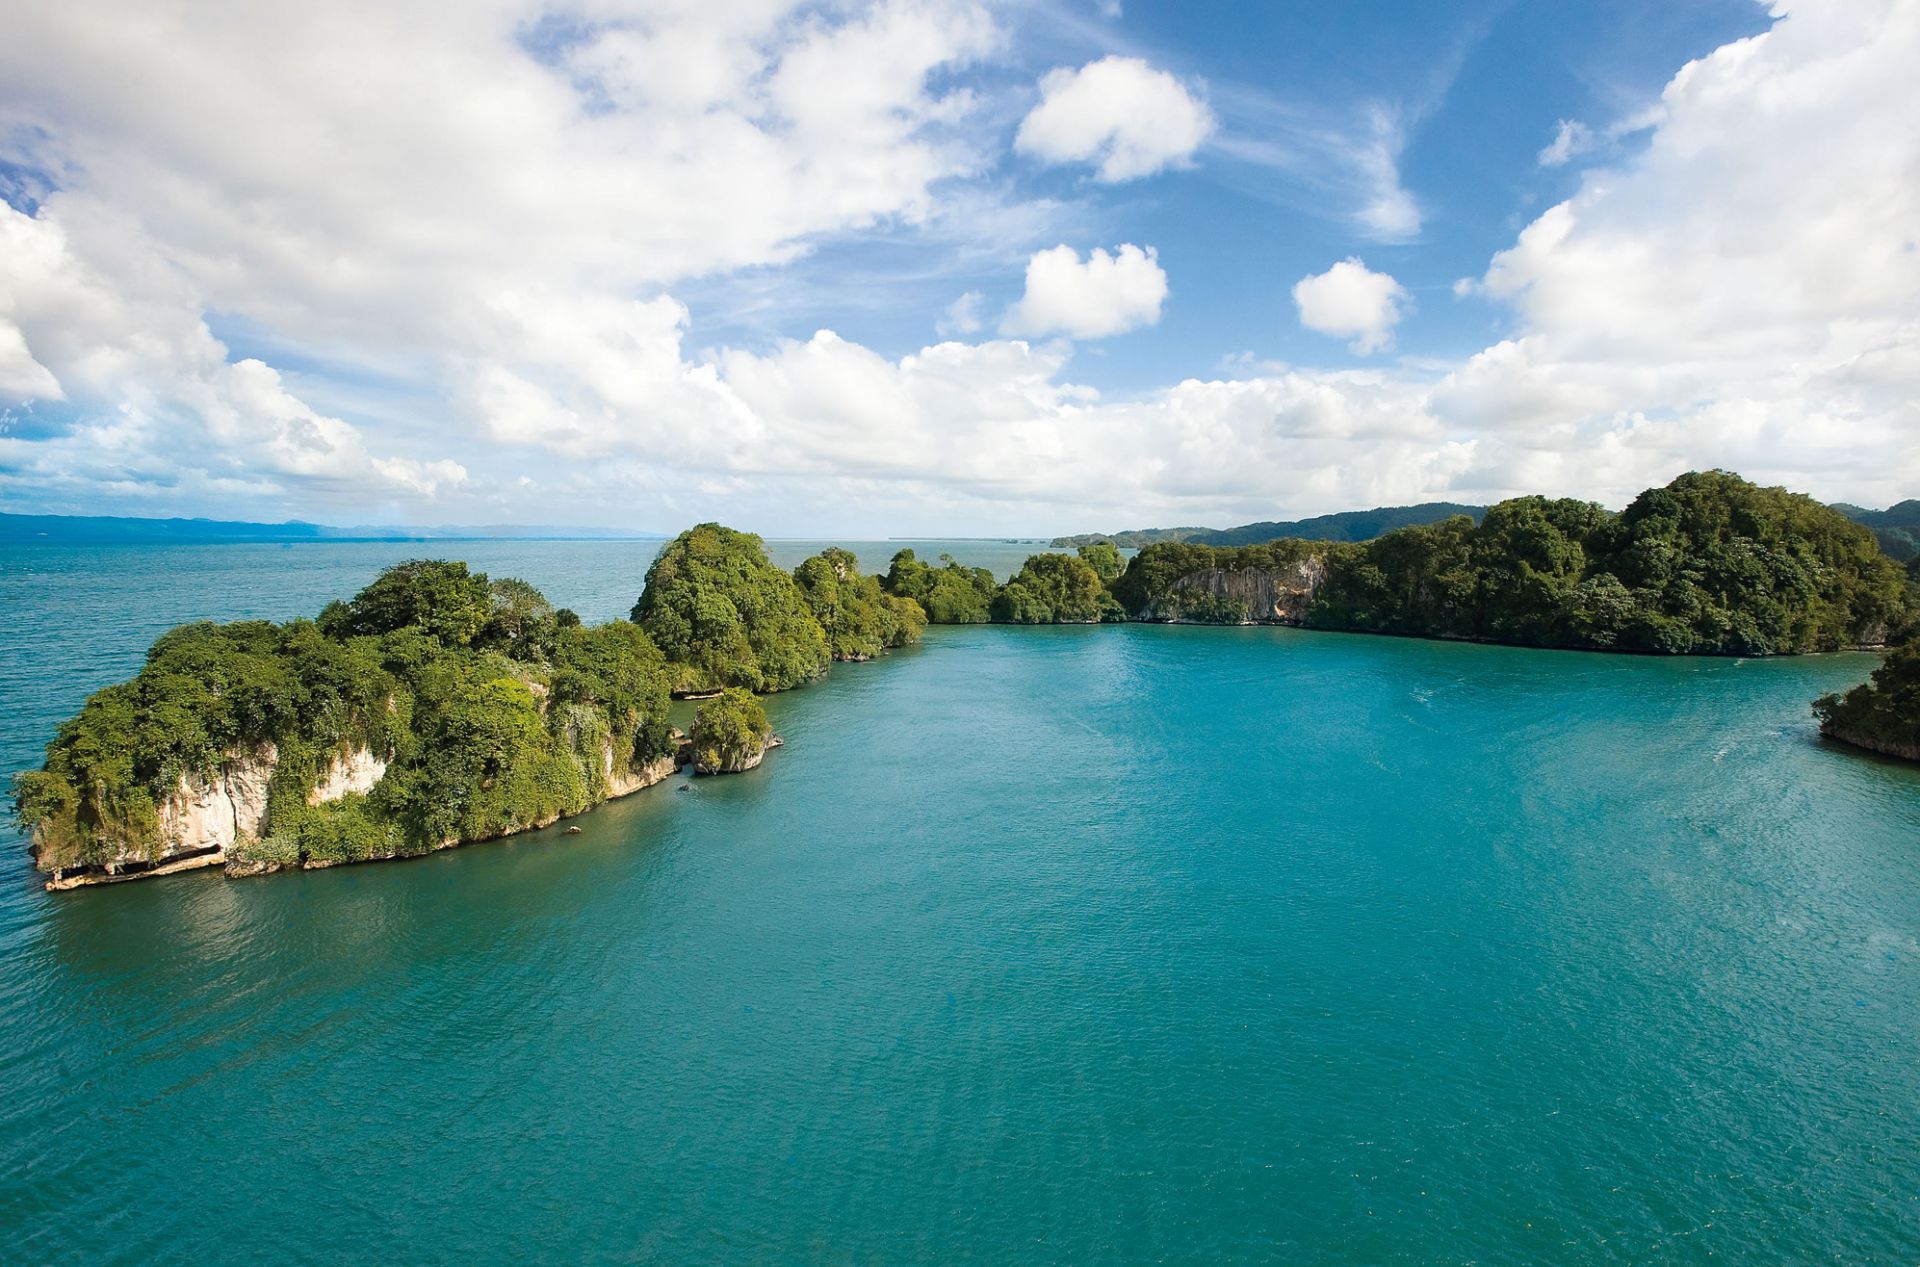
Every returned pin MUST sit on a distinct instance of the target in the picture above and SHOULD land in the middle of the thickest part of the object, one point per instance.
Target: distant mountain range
(1348, 525)
(1898, 527)
(109, 529)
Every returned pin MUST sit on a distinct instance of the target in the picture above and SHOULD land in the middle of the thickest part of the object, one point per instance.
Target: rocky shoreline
(1884, 747)
(192, 810)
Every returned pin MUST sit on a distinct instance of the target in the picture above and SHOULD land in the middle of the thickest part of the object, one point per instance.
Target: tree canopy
(1882, 713)
(1055, 589)
(724, 615)
(729, 732)
(860, 619)
(949, 594)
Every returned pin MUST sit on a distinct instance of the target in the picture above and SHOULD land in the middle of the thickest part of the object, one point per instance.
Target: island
(435, 708)
(438, 707)
(1882, 714)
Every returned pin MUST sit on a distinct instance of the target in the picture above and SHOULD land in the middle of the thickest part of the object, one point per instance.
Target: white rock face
(213, 813)
(353, 774)
(625, 783)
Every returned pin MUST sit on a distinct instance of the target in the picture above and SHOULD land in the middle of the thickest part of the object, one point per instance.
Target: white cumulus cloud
(1351, 301)
(1120, 114)
(1089, 299)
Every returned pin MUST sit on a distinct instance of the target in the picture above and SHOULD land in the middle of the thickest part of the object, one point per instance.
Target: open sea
(1078, 945)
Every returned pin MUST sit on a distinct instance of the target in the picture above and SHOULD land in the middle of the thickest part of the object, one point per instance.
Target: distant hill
(1898, 527)
(1132, 539)
(110, 529)
(1348, 525)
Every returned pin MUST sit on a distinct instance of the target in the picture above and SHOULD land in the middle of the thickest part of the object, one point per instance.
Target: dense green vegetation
(492, 710)
(1883, 713)
(725, 616)
(949, 594)
(1131, 539)
(1105, 559)
(860, 619)
(1708, 564)
(729, 732)
(1055, 589)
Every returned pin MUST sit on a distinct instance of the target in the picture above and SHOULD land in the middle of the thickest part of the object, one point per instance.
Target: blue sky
(923, 266)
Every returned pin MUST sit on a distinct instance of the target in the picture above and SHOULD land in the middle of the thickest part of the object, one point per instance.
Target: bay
(1109, 945)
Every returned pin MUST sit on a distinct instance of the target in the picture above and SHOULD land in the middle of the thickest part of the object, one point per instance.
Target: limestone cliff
(208, 814)
(352, 773)
(625, 783)
(1269, 596)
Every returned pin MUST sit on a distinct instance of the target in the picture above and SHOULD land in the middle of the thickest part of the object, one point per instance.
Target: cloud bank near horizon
(237, 281)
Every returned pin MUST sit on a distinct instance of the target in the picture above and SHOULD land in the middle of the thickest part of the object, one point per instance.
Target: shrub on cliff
(1055, 589)
(729, 732)
(860, 619)
(949, 594)
(725, 616)
(1882, 713)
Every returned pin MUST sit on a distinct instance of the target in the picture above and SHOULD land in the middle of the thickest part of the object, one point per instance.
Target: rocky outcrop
(625, 783)
(352, 773)
(734, 761)
(1271, 596)
(208, 815)
(218, 809)
(1885, 747)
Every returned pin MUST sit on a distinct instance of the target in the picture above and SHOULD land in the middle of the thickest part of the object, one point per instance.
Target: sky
(950, 267)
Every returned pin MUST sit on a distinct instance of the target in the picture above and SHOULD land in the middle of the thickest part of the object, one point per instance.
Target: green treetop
(949, 594)
(726, 616)
(1055, 589)
(860, 619)
(1105, 559)
(729, 732)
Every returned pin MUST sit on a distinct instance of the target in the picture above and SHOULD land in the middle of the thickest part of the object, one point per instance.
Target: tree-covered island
(435, 708)
(438, 707)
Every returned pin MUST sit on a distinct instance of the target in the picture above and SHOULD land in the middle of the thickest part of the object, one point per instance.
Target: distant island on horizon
(111, 529)
(1897, 528)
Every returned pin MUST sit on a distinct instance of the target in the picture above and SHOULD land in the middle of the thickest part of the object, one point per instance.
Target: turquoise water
(1107, 945)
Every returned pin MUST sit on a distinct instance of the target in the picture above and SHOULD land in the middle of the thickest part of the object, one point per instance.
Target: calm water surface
(1108, 945)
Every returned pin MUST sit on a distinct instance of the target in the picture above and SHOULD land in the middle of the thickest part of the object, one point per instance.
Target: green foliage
(1055, 589)
(1882, 713)
(1131, 539)
(443, 598)
(729, 731)
(860, 619)
(1104, 558)
(948, 595)
(725, 616)
(493, 713)
(1708, 564)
